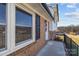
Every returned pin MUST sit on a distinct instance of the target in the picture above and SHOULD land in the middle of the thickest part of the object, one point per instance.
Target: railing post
(64, 38)
(71, 47)
(77, 50)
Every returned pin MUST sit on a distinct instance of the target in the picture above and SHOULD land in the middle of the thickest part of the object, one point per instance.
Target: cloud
(74, 15)
(71, 5)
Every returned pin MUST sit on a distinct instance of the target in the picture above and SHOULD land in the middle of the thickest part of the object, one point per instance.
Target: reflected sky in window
(2, 13)
(23, 18)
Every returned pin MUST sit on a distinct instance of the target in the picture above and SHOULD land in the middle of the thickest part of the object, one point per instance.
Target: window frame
(16, 25)
(26, 42)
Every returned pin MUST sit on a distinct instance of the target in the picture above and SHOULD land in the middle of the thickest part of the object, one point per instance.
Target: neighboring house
(24, 28)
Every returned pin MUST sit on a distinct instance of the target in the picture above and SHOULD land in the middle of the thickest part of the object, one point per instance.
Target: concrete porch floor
(52, 48)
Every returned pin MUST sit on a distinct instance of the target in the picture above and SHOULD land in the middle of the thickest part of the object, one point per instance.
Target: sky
(68, 14)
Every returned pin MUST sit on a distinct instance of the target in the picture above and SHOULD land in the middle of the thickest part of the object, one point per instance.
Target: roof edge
(47, 9)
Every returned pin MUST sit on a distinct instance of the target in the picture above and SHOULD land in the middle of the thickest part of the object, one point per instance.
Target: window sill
(23, 44)
(19, 46)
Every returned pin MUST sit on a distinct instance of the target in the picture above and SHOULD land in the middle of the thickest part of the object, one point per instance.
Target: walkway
(52, 48)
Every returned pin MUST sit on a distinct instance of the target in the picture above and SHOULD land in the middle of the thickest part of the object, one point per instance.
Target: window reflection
(2, 24)
(23, 25)
(37, 27)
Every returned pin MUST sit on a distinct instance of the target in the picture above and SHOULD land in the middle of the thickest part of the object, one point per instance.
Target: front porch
(69, 45)
(52, 48)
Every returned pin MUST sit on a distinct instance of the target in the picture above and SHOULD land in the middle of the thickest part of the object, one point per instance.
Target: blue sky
(68, 14)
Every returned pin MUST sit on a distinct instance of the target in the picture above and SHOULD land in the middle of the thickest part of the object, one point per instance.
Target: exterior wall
(50, 29)
(53, 24)
(49, 32)
(33, 48)
(52, 33)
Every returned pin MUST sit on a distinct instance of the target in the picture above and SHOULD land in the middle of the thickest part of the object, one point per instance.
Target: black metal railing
(72, 48)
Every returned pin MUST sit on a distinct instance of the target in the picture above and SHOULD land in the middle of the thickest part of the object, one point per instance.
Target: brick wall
(33, 48)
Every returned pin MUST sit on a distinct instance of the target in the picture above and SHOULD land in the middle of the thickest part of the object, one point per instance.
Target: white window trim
(29, 41)
(11, 47)
(7, 29)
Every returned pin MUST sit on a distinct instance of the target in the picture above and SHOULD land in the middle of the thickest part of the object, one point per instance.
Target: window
(23, 25)
(2, 25)
(37, 26)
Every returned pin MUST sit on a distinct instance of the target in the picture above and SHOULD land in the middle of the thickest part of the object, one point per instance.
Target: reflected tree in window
(2, 24)
(23, 25)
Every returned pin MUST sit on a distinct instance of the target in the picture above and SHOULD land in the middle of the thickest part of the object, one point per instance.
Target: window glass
(23, 25)
(37, 27)
(2, 25)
